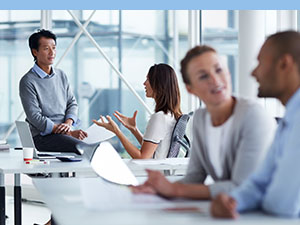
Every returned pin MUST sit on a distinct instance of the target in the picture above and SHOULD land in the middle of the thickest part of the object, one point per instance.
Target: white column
(175, 41)
(251, 38)
(287, 20)
(194, 39)
(46, 19)
(194, 28)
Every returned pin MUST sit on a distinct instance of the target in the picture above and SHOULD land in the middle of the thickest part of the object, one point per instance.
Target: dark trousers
(56, 143)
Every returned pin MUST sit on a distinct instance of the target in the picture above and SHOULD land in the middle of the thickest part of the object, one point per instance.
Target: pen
(32, 162)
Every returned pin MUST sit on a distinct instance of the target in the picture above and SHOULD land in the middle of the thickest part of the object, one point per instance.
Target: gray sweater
(250, 136)
(46, 101)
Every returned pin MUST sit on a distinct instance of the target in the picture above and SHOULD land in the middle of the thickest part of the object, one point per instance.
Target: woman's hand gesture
(128, 122)
(110, 125)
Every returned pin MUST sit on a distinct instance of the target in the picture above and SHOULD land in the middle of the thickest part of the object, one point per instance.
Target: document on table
(97, 134)
(101, 195)
(98, 194)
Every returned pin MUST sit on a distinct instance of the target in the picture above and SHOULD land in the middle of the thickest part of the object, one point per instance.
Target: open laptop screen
(25, 134)
(108, 164)
(27, 142)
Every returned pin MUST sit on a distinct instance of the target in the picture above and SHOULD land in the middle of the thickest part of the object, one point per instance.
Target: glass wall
(15, 61)
(132, 46)
(220, 30)
(133, 40)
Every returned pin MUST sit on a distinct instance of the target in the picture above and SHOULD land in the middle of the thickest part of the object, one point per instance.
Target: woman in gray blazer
(230, 135)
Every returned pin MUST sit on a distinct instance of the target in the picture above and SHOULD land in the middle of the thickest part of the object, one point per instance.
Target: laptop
(108, 164)
(27, 141)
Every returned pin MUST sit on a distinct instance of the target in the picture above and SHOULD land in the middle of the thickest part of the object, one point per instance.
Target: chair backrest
(179, 139)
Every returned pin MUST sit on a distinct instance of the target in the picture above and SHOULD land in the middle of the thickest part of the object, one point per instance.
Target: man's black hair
(34, 39)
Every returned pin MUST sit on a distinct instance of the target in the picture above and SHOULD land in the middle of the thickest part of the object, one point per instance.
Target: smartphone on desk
(68, 158)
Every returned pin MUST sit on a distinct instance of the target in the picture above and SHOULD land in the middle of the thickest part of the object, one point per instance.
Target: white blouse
(159, 131)
(217, 137)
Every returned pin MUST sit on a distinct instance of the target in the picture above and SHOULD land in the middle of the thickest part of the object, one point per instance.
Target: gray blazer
(250, 136)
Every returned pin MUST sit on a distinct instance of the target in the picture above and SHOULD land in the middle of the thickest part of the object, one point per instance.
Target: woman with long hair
(161, 84)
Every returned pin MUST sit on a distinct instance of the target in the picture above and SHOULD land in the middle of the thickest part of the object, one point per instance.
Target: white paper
(108, 164)
(97, 134)
(98, 194)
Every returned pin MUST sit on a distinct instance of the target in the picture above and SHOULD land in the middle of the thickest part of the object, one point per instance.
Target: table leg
(2, 200)
(18, 200)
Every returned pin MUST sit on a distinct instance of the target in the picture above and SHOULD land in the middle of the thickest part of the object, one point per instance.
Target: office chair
(178, 138)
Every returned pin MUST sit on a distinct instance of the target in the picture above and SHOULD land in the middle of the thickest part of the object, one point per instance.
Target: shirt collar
(41, 73)
(292, 105)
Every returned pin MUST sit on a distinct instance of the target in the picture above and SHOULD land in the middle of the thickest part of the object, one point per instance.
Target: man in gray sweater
(47, 99)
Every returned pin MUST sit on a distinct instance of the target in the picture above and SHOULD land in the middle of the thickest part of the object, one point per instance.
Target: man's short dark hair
(34, 39)
(286, 42)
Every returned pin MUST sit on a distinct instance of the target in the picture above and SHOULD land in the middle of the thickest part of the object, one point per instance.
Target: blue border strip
(148, 4)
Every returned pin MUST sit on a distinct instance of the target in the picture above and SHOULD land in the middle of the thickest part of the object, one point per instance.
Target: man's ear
(286, 62)
(34, 52)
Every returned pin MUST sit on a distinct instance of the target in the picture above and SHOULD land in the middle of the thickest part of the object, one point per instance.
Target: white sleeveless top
(159, 131)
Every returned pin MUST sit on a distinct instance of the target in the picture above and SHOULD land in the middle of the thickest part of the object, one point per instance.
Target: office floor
(31, 213)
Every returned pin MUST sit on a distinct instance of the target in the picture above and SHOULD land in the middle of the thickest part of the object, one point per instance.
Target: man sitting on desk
(47, 99)
(275, 187)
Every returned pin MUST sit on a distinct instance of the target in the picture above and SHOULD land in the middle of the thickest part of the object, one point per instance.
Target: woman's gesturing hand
(110, 125)
(128, 122)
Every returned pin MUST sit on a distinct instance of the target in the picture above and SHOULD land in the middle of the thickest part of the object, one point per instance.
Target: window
(220, 30)
(125, 41)
(15, 60)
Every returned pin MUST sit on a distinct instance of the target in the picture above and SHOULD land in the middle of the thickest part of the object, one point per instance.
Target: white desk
(171, 165)
(63, 197)
(11, 162)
